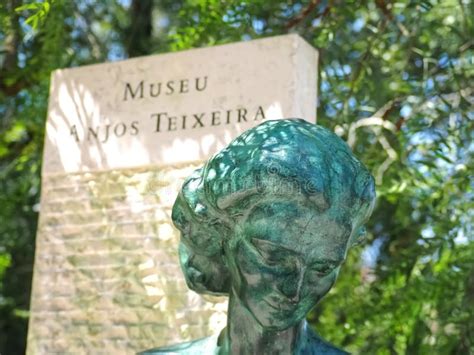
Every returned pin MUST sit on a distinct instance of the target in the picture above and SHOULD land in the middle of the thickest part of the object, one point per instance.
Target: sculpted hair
(277, 160)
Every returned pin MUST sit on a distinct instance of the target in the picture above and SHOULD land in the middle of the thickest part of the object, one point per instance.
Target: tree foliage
(396, 82)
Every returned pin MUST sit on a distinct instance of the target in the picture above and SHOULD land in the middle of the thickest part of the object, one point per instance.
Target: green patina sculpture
(269, 221)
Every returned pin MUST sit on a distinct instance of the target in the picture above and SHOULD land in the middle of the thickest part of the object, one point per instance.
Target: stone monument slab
(176, 107)
(120, 139)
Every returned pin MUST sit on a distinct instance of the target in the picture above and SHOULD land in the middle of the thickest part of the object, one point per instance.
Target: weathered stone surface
(111, 273)
(107, 278)
(177, 107)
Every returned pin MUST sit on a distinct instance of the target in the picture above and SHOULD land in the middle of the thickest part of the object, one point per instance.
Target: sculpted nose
(297, 296)
(294, 287)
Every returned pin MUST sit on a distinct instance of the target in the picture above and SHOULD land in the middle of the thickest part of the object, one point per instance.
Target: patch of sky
(162, 21)
(371, 252)
(21, 60)
(325, 86)
(297, 7)
(456, 62)
(455, 120)
(24, 26)
(81, 23)
(455, 268)
(231, 18)
(415, 215)
(422, 138)
(442, 78)
(400, 17)
(429, 84)
(339, 70)
(316, 22)
(428, 258)
(330, 111)
(353, 54)
(443, 61)
(339, 105)
(428, 232)
(330, 71)
(470, 60)
(358, 24)
(96, 28)
(81, 5)
(75, 33)
(289, 11)
(378, 227)
(371, 140)
(446, 159)
(125, 3)
(352, 102)
(84, 53)
(69, 21)
(421, 242)
(406, 111)
(116, 52)
(461, 238)
(415, 157)
(258, 26)
(26, 99)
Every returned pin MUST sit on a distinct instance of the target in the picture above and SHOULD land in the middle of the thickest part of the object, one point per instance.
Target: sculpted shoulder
(200, 346)
(315, 345)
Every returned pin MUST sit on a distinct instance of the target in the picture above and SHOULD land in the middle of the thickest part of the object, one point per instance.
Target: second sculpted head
(271, 218)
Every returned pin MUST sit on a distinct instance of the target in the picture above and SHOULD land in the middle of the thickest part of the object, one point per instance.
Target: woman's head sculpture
(269, 220)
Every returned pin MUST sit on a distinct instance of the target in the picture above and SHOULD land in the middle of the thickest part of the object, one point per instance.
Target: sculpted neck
(244, 335)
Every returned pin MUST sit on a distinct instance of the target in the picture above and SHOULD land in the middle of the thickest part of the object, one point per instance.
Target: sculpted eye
(323, 269)
(263, 247)
(265, 251)
(274, 256)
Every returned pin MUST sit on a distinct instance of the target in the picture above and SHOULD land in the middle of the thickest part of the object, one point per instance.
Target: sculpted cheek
(317, 287)
(242, 270)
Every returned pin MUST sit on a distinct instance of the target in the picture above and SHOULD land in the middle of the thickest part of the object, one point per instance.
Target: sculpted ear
(359, 236)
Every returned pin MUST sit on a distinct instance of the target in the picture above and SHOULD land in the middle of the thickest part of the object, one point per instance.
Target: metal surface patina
(268, 221)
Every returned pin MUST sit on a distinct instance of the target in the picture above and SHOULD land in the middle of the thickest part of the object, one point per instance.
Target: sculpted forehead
(301, 228)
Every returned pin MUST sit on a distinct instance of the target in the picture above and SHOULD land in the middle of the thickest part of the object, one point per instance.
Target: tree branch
(376, 122)
(12, 39)
(356, 76)
(301, 16)
(386, 11)
(139, 32)
(98, 50)
(11, 45)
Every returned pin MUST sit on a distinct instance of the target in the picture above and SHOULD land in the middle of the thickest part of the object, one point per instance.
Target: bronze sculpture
(269, 221)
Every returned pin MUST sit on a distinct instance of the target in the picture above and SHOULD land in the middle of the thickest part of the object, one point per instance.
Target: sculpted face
(204, 272)
(286, 257)
(268, 221)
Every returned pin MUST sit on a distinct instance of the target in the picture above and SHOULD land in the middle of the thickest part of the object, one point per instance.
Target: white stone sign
(176, 107)
(120, 139)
